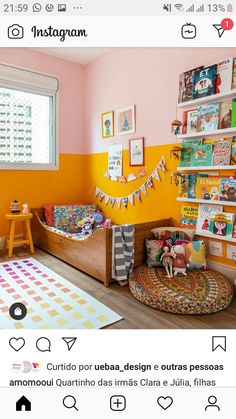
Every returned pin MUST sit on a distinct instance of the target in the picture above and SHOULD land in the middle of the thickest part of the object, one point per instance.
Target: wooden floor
(136, 315)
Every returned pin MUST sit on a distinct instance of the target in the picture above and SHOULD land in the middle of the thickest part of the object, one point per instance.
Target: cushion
(154, 250)
(66, 218)
(49, 212)
(200, 292)
(176, 233)
(195, 254)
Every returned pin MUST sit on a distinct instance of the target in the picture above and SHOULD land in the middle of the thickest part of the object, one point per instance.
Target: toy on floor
(179, 260)
(167, 261)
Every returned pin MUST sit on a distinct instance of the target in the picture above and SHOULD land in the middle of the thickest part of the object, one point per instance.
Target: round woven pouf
(200, 292)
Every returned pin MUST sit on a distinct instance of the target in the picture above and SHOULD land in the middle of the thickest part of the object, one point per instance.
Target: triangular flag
(131, 199)
(149, 183)
(107, 198)
(97, 191)
(125, 202)
(112, 201)
(101, 196)
(155, 175)
(118, 201)
(162, 165)
(137, 195)
(143, 189)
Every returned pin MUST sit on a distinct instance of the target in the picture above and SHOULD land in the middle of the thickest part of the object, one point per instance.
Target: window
(28, 135)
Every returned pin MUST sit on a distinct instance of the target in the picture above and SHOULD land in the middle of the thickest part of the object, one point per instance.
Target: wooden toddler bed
(93, 255)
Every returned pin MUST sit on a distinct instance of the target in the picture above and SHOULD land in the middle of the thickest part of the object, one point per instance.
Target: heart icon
(165, 402)
(17, 343)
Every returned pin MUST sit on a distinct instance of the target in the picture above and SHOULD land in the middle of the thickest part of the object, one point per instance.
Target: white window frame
(54, 165)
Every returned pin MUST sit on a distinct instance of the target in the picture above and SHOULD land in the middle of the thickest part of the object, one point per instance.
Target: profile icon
(212, 400)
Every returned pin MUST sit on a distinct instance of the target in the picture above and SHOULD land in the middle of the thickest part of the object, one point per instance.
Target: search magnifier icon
(70, 402)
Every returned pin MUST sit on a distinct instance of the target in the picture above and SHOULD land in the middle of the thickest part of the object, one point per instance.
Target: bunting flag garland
(125, 200)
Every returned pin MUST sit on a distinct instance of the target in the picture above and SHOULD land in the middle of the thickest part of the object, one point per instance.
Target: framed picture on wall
(108, 124)
(126, 120)
(136, 152)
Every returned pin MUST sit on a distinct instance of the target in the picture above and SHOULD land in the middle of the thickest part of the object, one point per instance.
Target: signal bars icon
(190, 9)
(201, 9)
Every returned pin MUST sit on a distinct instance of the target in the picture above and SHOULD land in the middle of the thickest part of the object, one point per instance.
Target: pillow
(66, 217)
(49, 212)
(195, 253)
(176, 233)
(154, 250)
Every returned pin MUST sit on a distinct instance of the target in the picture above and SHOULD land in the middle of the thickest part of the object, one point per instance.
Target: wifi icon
(179, 7)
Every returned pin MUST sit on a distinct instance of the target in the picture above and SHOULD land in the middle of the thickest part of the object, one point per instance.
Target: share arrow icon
(70, 342)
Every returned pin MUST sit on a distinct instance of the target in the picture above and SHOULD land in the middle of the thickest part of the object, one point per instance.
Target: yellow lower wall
(160, 202)
(38, 187)
(76, 181)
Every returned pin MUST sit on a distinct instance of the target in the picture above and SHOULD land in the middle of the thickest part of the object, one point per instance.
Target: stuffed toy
(179, 260)
(167, 261)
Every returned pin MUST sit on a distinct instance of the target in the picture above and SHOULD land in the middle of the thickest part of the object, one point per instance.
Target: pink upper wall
(146, 77)
(71, 96)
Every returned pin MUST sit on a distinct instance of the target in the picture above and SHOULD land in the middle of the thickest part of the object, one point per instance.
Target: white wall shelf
(207, 201)
(213, 236)
(206, 99)
(222, 132)
(205, 168)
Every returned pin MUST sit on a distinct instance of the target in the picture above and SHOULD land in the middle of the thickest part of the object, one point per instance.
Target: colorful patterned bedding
(74, 236)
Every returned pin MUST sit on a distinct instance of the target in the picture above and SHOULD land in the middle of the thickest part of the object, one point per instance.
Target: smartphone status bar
(106, 7)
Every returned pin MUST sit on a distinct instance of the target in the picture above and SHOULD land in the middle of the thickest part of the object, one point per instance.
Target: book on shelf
(228, 189)
(234, 75)
(184, 122)
(201, 155)
(187, 150)
(233, 152)
(204, 81)
(221, 225)
(183, 186)
(205, 213)
(192, 183)
(208, 188)
(208, 117)
(222, 152)
(233, 117)
(192, 117)
(225, 117)
(234, 230)
(186, 85)
(188, 216)
(224, 75)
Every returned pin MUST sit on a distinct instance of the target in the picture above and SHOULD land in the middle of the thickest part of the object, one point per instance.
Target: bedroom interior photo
(118, 174)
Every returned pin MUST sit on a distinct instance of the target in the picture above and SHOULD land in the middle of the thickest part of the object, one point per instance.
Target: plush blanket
(122, 252)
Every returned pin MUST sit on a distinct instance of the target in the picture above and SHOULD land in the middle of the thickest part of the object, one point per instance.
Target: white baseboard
(226, 270)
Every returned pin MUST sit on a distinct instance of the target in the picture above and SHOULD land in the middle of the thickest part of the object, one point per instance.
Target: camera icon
(15, 32)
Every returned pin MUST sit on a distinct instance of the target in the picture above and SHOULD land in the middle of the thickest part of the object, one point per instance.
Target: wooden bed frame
(93, 255)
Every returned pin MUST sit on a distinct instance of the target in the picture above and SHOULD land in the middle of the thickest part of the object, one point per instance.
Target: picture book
(225, 114)
(233, 118)
(184, 122)
(234, 230)
(192, 184)
(222, 152)
(187, 150)
(228, 189)
(234, 75)
(188, 217)
(204, 81)
(183, 186)
(205, 213)
(221, 225)
(224, 75)
(208, 117)
(233, 152)
(202, 155)
(186, 85)
(192, 121)
(208, 188)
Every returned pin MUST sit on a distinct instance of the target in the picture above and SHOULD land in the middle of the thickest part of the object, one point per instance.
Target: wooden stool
(10, 238)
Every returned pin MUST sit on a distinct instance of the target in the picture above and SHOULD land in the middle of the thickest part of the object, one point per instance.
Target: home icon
(23, 404)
